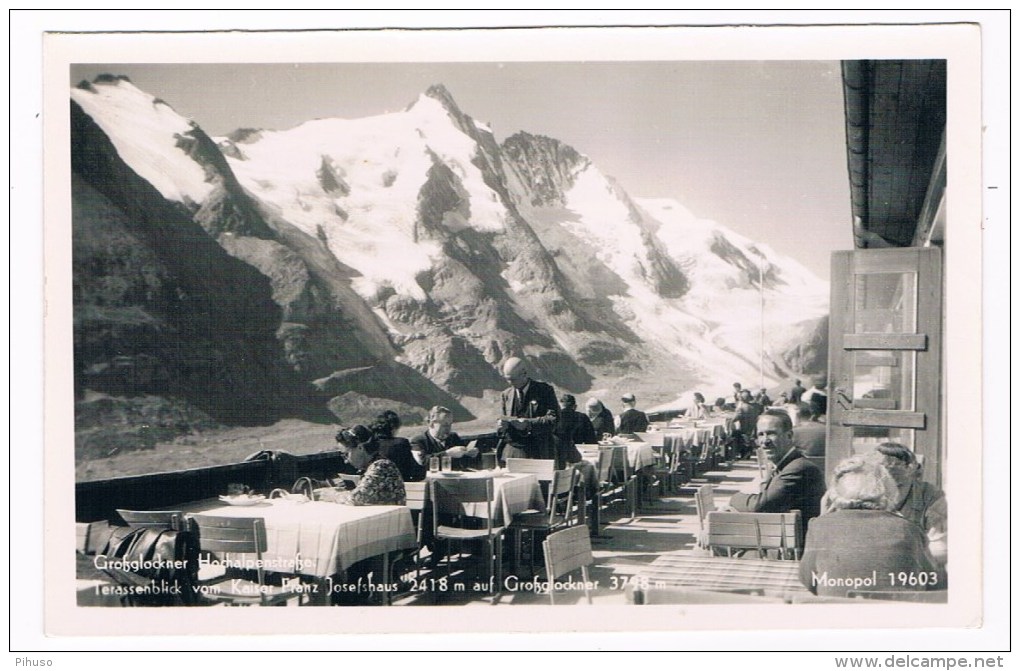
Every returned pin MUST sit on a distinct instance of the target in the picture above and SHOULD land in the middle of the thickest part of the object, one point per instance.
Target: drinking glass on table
(433, 464)
(447, 462)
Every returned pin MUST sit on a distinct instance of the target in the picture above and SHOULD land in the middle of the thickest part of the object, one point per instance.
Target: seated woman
(858, 543)
(698, 409)
(394, 448)
(347, 439)
(920, 502)
(380, 484)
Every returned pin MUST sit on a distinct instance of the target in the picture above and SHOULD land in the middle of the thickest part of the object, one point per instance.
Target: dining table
(640, 454)
(692, 433)
(319, 539)
(512, 493)
(749, 576)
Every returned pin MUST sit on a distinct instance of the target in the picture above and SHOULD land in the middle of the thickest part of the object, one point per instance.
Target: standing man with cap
(529, 414)
(631, 419)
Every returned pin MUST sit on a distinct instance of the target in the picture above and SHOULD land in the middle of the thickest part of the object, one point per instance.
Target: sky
(758, 146)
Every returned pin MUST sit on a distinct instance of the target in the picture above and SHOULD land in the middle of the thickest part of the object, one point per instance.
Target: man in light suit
(529, 414)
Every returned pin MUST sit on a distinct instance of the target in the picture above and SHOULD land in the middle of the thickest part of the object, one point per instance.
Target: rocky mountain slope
(351, 263)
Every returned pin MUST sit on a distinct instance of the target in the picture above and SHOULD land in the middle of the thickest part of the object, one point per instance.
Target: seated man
(439, 440)
(572, 429)
(744, 422)
(632, 420)
(809, 435)
(601, 418)
(796, 484)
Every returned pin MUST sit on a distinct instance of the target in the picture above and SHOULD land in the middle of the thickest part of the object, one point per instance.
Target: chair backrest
(449, 495)
(941, 596)
(621, 463)
(671, 449)
(230, 534)
(153, 519)
(605, 465)
(756, 531)
(704, 501)
(92, 537)
(561, 495)
(542, 468)
(680, 595)
(417, 495)
(567, 551)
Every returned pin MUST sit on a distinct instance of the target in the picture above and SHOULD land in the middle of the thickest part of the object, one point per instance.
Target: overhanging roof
(895, 128)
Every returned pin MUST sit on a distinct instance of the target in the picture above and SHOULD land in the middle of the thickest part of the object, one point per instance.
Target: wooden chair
(684, 595)
(153, 519)
(937, 596)
(626, 478)
(606, 488)
(417, 498)
(91, 537)
(448, 496)
(542, 468)
(566, 551)
(667, 468)
(244, 535)
(559, 513)
(764, 532)
(704, 503)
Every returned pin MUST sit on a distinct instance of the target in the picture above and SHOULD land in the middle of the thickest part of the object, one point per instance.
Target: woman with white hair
(860, 544)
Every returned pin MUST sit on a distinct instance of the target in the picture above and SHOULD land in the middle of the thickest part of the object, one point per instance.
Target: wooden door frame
(926, 416)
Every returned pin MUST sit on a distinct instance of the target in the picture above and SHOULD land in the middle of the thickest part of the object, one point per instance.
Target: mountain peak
(442, 94)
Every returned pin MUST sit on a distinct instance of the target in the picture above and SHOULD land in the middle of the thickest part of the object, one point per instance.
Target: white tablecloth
(639, 453)
(512, 493)
(319, 538)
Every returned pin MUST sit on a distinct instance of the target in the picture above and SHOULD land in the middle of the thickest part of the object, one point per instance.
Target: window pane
(885, 303)
(867, 438)
(884, 379)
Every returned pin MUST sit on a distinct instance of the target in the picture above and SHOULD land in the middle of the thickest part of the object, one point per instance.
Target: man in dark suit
(809, 435)
(796, 392)
(744, 421)
(529, 414)
(573, 429)
(632, 420)
(439, 440)
(601, 418)
(796, 484)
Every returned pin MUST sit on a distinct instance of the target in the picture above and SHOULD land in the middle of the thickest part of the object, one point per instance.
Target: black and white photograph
(638, 330)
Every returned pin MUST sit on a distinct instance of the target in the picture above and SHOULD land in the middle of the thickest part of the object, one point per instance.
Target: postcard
(664, 330)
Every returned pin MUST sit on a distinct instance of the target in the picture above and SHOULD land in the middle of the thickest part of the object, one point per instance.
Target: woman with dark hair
(398, 450)
(698, 409)
(860, 544)
(380, 484)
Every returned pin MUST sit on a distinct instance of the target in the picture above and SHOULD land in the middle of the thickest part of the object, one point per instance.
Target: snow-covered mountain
(412, 244)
